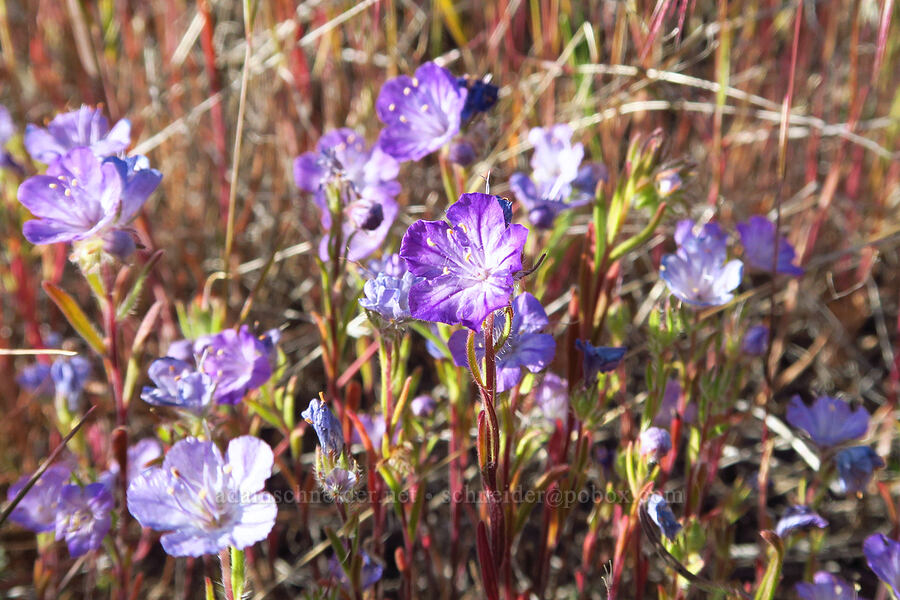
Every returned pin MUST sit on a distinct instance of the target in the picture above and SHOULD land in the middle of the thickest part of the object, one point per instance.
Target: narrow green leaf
(76, 317)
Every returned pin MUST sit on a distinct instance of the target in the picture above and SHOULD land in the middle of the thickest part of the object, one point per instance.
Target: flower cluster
(698, 272)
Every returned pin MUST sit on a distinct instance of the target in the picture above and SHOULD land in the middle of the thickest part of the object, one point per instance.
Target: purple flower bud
(829, 421)
(662, 515)
(655, 444)
(462, 153)
(69, 376)
(326, 425)
(482, 95)
(83, 517)
(797, 518)
(423, 405)
(855, 467)
(35, 378)
(85, 127)
(370, 575)
(756, 339)
(758, 238)
(598, 359)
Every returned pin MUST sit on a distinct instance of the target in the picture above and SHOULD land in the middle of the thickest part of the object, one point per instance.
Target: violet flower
(758, 238)
(825, 586)
(7, 129)
(552, 397)
(469, 264)
(69, 377)
(369, 208)
(140, 455)
(655, 443)
(236, 361)
(662, 515)
(83, 517)
(797, 518)
(206, 503)
(35, 378)
(855, 466)
(756, 339)
(37, 510)
(388, 293)
(598, 359)
(423, 405)
(697, 273)
(481, 96)
(327, 427)
(178, 385)
(421, 113)
(829, 421)
(524, 347)
(84, 127)
(370, 573)
(883, 557)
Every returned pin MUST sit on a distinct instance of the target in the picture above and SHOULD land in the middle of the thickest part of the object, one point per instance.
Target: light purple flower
(178, 385)
(552, 397)
(374, 426)
(468, 264)
(83, 517)
(883, 557)
(755, 340)
(7, 128)
(829, 421)
(420, 113)
(327, 427)
(69, 377)
(655, 443)
(37, 510)
(662, 515)
(204, 502)
(698, 273)
(855, 467)
(140, 455)
(236, 361)
(825, 586)
(388, 293)
(668, 408)
(423, 405)
(85, 127)
(758, 238)
(35, 378)
(370, 573)
(598, 359)
(525, 347)
(797, 518)
(369, 207)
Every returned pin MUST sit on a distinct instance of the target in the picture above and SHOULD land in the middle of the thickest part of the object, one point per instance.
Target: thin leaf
(76, 317)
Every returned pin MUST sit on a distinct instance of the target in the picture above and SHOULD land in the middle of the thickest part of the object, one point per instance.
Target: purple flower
(370, 574)
(37, 510)
(374, 426)
(422, 406)
(140, 455)
(797, 518)
(883, 557)
(388, 293)
(35, 378)
(339, 484)
(206, 503)
(598, 359)
(655, 443)
(468, 264)
(668, 408)
(525, 346)
(825, 586)
(178, 385)
(758, 238)
(855, 468)
(552, 397)
(462, 153)
(420, 113)
(368, 207)
(328, 428)
(756, 339)
(481, 96)
(7, 128)
(69, 376)
(829, 421)
(697, 273)
(662, 515)
(236, 361)
(82, 517)
(85, 127)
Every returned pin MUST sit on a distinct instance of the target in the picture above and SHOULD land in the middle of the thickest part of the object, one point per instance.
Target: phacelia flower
(140, 455)
(855, 467)
(339, 484)
(558, 181)
(481, 96)
(85, 127)
(326, 425)
(829, 421)
(468, 264)
(825, 586)
(798, 518)
(178, 385)
(35, 378)
(388, 293)
(420, 113)
(698, 273)
(423, 405)
(883, 557)
(7, 129)
(370, 573)
(758, 239)
(524, 347)
(368, 206)
(755, 340)
(668, 408)
(69, 376)
(374, 426)
(655, 443)
(662, 515)
(83, 517)
(552, 397)
(204, 502)
(236, 361)
(37, 510)
(598, 359)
